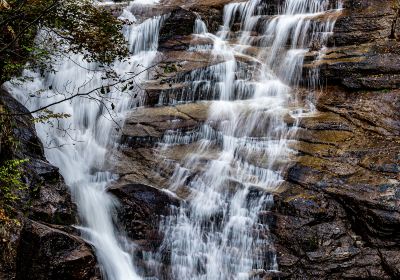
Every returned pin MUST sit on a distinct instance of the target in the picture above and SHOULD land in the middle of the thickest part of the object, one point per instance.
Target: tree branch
(81, 94)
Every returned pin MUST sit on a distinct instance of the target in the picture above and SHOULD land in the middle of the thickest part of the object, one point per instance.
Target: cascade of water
(200, 26)
(218, 232)
(78, 145)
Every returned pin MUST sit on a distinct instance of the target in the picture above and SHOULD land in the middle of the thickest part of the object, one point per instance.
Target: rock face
(142, 208)
(42, 244)
(48, 253)
(338, 217)
(340, 214)
(365, 47)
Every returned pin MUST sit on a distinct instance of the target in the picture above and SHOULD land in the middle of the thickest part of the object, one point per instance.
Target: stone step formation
(221, 110)
(264, 144)
(329, 141)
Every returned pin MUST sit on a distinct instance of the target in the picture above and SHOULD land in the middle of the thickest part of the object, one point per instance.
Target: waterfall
(221, 231)
(79, 144)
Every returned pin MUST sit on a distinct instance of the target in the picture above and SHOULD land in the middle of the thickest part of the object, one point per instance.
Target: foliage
(46, 115)
(10, 167)
(170, 68)
(10, 181)
(79, 25)
(7, 141)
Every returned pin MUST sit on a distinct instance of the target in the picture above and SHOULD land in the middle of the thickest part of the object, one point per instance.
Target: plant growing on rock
(10, 181)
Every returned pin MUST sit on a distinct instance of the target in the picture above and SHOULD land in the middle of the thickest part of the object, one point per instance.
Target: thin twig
(79, 94)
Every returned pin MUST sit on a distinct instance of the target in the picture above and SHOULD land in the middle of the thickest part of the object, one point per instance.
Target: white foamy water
(78, 145)
(221, 230)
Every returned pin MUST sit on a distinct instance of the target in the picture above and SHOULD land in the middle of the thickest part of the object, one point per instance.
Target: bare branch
(81, 94)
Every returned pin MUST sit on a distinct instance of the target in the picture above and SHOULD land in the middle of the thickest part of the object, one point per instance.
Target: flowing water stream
(221, 230)
(78, 145)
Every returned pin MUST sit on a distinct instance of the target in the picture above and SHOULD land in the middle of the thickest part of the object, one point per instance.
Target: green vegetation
(32, 33)
(75, 26)
(10, 168)
(10, 181)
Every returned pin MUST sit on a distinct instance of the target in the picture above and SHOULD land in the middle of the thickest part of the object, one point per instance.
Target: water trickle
(221, 231)
(200, 26)
(78, 145)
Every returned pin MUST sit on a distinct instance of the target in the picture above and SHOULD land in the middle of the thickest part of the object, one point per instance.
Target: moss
(334, 137)
(303, 196)
(314, 149)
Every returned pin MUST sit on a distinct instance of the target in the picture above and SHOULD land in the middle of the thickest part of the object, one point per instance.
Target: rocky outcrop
(340, 213)
(47, 198)
(142, 209)
(146, 127)
(364, 48)
(49, 253)
(337, 216)
(365, 21)
(42, 244)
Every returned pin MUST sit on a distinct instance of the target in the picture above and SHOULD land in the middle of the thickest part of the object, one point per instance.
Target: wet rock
(341, 209)
(364, 21)
(364, 51)
(369, 66)
(37, 250)
(145, 127)
(22, 128)
(338, 215)
(48, 253)
(375, 111)
(179, 23)
(142, 208)
(315, 239)
(210, 11)
(47, 198)
(391, 261)
(364, 47)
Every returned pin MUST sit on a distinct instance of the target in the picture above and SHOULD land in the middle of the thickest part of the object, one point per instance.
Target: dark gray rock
(33, 250)
(140, 211)
(48, 253)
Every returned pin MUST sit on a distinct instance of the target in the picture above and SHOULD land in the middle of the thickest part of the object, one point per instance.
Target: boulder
(40, 242)
(48, 253)
(47, 198)
(179, 23)
(141, 210)
(147, 126)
